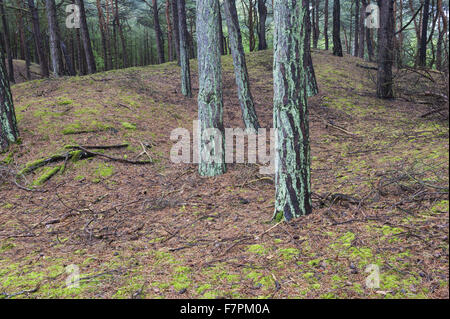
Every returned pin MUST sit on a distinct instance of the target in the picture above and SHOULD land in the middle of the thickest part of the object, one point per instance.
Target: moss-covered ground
(379, 174)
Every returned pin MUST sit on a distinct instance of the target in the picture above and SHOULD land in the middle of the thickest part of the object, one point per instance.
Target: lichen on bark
(8, 123)
(292, 155)
(240, 67)
(210, 100)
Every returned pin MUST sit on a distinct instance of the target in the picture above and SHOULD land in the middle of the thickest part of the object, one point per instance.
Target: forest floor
(379, 175)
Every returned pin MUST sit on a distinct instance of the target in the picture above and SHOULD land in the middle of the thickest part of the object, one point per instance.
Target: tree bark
(54, 41)
(9, 132)
(169, 31)
(210, 100)
(337, 46)
(176, 29)
(385, 49)
(184, 54)
(325, 26)
(262, 11)
(25, 52)
(361, 30)
(7, 42)
(84, 32)
(311, 82)
(221, 44)
(424, 38)
(102, 25)
(316, 31)
(240, 67)
(292, 169)
(38, 39)
(158, 33)
(356, 46)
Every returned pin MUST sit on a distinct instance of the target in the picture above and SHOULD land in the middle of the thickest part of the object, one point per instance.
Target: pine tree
(210, 100)
(292, 168)
(8, 124)
(240, 67)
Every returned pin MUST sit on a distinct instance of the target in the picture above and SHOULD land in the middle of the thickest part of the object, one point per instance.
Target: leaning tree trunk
(292, 168)
(7, 43)
(158, 33)
(210, 101)
(385, 49)
(8, 124)
(337, 46)
(240, 67)
(54, 39)
(184, 54)
(423, 37)
(38, 39)
(91, 68)
(262, 11)
(311, 83)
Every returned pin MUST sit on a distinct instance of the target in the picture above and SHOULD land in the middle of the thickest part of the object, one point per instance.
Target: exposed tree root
(75, 154)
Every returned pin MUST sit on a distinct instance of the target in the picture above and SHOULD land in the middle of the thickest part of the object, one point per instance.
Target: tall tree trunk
(362, 35)
(169, 31)
(337, 46)
(68, 59)
(38, 39)
(325, 25)
(55, 43)
(385, 49)
(240, 67)
(316, 31)
(176, 29)
(262, 11)
(158, 33)
(424, 38)
(210, 100)
(9, 132)
(221, 44)
(292, 169)
(356, 49)
(311, 82)
(7, 42)
(369, 42)
(25, 52)
(102, 25)
(84, 32)
(184, 54)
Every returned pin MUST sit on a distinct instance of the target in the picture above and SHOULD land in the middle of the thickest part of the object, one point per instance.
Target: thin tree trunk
(356, 49)
(38, 39)
(102, 25)
(25, 52)
(7, 42)
(176, 29)
(55, 48)
(169, 31)
(221, 44)
(210, 99)
(292, 169)
(311, 82)
(9, 132)
(385, 49)
(84, 32)
(325, 27)
(158, 33)
(423, 38)
(184, 54)
(337, 46)
(361, 30)
(316, 24)
(262, 10)
(240, 67)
